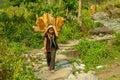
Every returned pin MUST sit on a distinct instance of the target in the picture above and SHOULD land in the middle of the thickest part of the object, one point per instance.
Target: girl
(50, 46)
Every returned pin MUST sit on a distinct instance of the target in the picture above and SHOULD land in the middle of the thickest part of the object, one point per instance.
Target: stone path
(64, 70)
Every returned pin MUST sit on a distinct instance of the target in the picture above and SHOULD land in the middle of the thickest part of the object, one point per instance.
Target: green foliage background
(16, 33)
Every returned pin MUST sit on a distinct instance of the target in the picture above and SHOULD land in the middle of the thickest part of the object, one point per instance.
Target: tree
(80, 17)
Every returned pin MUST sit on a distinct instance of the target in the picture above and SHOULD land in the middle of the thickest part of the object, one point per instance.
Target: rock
(91, 72)
(115, 58)
(99, 67)
(63, 64)
(82, 66)
(61, 57)
(76, 73)
(72, 53)
(71, 77)
(113, 24)
(101, 35)
(43, 73)
(75, 64)
(60, 74)
(100, 30)
(44, 63)
(64, 47)
(115, 12)
(91, 77)
(78, 67)
(103, 38)
(100, 16)
(86, 76)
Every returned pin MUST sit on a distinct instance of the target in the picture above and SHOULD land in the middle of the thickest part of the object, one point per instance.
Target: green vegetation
(92, 53)
(16, 34)
(11, 62)
(69, 31)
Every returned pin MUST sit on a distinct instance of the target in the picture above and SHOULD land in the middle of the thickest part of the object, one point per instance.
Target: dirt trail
(112, 73)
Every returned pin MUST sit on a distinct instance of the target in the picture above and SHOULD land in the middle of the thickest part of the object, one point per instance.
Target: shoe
(49, 68)
(52, 71)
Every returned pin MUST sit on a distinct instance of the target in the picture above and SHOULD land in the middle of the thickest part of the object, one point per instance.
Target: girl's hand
(54, 27)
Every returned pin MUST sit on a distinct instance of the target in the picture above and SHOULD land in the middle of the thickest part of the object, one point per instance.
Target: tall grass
(11, 62)
(92, 53)
(16, 25)
(71, 30)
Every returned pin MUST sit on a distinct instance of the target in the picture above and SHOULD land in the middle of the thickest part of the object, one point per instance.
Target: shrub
(92, 53)
(87, 21)
(71, 30)
(16, 25)
(11, 63)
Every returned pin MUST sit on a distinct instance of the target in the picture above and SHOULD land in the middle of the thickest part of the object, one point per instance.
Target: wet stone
(63, 64)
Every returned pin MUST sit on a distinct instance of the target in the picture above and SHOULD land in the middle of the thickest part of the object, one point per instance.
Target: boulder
(100, 30)
(100, 16)
(114, 25)
(103, 18)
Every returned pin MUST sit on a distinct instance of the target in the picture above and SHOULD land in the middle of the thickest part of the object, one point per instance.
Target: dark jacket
(51, 42)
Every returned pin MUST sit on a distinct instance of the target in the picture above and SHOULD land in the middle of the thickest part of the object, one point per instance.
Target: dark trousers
(51, 58)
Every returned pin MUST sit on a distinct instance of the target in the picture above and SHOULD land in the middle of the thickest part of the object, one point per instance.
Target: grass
(91, 53)
(113, 77)
(114, 53)
(70, 31)
(97, 53)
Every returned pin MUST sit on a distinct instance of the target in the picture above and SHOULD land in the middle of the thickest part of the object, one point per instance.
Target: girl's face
(51, 30)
